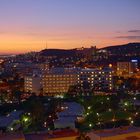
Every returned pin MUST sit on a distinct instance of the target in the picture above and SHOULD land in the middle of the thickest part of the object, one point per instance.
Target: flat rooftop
(116, 131)
(52, 135)
(14, 136)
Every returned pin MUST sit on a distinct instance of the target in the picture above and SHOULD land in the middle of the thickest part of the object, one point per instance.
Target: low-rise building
(71, 111)
(7, 121)
(13, 136)
(123, 133)
(65, 134)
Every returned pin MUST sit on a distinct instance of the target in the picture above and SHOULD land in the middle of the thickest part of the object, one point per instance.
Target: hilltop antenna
(46, 45)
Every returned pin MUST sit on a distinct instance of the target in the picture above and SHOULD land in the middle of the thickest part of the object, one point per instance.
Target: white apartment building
(32, 84)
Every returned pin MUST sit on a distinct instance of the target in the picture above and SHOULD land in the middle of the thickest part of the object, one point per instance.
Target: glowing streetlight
(87, 114)
(126, 104)
(130, 118)
(110, 65)
(132, 122)
(97, 114)
(137, 113)
(29, 114)
(113, 120)
(11, 128)
(108, 99)
(125, 109)
(90, 125)
(89, 107)
(25, 119)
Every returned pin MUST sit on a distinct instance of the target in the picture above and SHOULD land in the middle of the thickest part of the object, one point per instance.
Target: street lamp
(90, 125)
(89, 107)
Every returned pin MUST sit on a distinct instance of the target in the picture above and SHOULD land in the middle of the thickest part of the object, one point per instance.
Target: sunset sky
(26, 25)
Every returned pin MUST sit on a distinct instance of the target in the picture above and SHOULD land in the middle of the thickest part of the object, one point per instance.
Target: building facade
(123, 133)
(96, 79)
(32, 84)
(58, 80)
(126, 68)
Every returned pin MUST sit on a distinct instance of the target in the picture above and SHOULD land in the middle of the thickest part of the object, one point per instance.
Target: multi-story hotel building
(58, 80)
(97, 79)
(126, 68)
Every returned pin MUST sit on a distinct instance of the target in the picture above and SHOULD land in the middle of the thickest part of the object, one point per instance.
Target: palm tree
(37, 112)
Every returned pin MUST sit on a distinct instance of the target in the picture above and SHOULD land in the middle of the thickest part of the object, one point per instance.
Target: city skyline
(27, 25)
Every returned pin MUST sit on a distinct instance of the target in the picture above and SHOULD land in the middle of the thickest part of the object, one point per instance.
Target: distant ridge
(117, 49)
(121, 45)
(58, 52)
(124, 49)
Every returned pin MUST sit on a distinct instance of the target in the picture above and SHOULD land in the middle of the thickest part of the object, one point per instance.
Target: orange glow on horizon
(21, 44)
